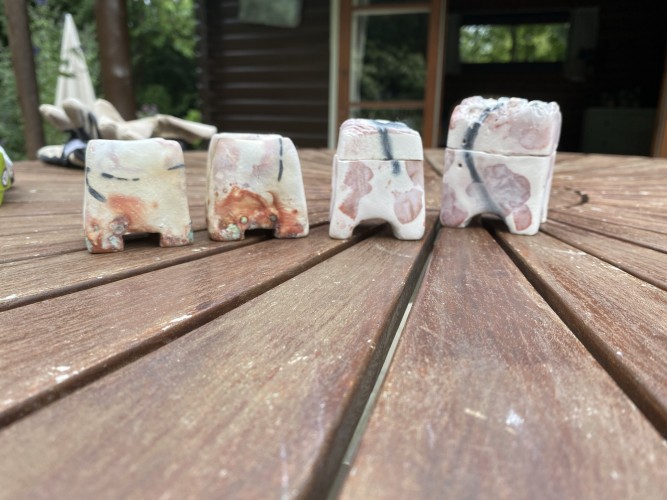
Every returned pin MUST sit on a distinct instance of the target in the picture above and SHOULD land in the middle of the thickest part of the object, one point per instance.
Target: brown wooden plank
(599, 166)
(92, 337)
(41, 243)
(261, 401)
(27, 281)
(489, 395)
(52, 242)
(649, 239)
(637, 218)
(58, 263)
(646, 264)
(621, 319)
(565, 197)
(38, 223)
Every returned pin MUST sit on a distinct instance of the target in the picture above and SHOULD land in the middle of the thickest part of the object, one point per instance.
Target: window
(390, 62)
(513, 43)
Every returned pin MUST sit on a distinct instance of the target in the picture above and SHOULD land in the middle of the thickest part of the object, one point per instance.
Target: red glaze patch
(451, 214)
(408, 205)
(128, 215)
(129, 211)
(522, 218)
(249, 210)
(509, 190)
(358, 178)
(531, 136)
(415, 171)
(93, 233)
(288, 225)
(450, 157)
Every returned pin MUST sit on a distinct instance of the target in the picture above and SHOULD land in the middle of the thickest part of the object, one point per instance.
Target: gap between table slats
(263, 399)
(149, 310)
(618, 317)
(490, 396)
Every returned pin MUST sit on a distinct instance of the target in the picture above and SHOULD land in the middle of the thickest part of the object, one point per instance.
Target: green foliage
(392, 74)
(162, 40)
(497, 43)
(394, 60)
(46, 25)
(164, 66)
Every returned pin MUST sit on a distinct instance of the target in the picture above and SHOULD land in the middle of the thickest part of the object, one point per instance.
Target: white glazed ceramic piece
(135, 187)
(499, 159)
(254, 181)
(378, 173)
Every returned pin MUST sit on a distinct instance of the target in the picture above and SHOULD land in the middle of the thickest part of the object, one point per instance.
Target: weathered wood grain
(259, 402)
(436, 159)
(26, 281)
(646, 238)
(620, 318)
(260, 399)
(564, 198)
(645, 263)
(638, 218)
(147, 310)
(34, 224)
(489, 395)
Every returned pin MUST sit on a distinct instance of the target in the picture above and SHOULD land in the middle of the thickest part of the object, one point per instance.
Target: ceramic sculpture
(135, 187)
(499, 159)
(254, 181)
(378, 173)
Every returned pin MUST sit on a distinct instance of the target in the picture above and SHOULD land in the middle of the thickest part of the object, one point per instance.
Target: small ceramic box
(135, 187)
(254, 181)
(378, 173)
(499, 159)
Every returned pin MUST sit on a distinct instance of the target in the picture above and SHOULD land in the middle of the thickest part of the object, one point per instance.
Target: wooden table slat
(489, 395)
(241, 369)
(620, 318)
(271, 390)
(643, 237)
(164, 304)
(645, 263)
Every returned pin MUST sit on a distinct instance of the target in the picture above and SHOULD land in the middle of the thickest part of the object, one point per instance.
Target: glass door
(391, 62)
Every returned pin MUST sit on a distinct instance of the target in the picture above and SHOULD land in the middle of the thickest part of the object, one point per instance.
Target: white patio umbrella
(74, 79)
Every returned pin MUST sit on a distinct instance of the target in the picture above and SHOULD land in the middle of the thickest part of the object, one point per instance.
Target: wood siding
(264, 79)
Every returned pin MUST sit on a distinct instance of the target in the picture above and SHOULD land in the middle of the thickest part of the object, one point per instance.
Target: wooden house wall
(629, 59)
(265, 79)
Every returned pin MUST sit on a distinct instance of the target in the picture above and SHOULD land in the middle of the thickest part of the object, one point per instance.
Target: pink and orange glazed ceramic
(135, 187)
(499, 160)
(254, 181)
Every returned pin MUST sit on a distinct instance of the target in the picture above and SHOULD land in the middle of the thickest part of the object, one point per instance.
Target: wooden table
(470, 364)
